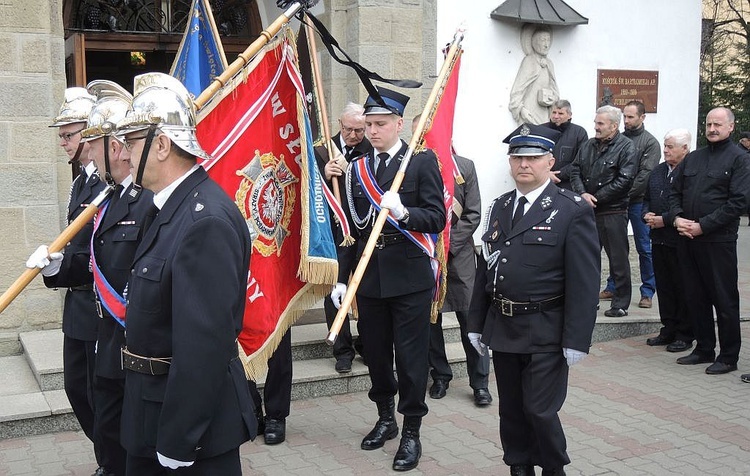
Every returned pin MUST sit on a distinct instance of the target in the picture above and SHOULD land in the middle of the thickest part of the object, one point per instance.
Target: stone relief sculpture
(535, 87)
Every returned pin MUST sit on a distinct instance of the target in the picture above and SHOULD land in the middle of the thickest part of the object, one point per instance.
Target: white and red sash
(112, 301)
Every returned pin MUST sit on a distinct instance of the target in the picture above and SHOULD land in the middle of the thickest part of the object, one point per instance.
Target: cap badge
(524, 130)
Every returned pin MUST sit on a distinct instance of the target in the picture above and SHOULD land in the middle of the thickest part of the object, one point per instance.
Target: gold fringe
(460, 179)
(348, 241)
(437, 306)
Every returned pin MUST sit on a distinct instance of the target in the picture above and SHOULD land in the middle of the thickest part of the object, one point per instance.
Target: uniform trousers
(227, 464)
(343, 348)
(710, 275)
(78, 378)
(400, 324)
(108, 396)
(277, 391)
(613, 237)
(531, 390)
(478, 366)
(669, 284)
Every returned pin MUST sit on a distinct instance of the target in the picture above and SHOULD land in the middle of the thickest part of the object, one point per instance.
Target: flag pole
(247, 55)
(429, 110)
(57, 245)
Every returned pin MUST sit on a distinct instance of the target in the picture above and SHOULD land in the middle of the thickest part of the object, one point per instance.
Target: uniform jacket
(711, 185)
(186, 301)
(648, 154)
(115, 242)
(462, 258)
(566, 147)
(80, 320)
(656, 201)
(399, 268)
(607, 174)
(553, 251)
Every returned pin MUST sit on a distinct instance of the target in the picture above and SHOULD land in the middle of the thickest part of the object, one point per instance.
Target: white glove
(573, 356)
(392, 201)
(337, 294)
(172, 463)
(476, 340)
(48, 262)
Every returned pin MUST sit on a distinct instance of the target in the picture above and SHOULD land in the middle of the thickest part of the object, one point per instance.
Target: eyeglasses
(66, 136)
(349, 130)
(128, 142)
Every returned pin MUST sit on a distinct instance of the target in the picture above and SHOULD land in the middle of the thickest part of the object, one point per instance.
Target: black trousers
(227, 464)
(78, 378)
(710, 276)
(108, 395)
(613, 237)
(400, 324)
(531, 390)
(671, 289)
(343, 348)
(478, 366)
(277, 391)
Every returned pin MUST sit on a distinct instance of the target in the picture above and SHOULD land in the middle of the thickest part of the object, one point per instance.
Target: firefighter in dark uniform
(117, 231)
(186, 399)
(534, 301)
(395, 293)
(61, 270)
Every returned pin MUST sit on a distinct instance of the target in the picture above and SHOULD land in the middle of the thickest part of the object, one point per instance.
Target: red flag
(258, 136)
(438, 138)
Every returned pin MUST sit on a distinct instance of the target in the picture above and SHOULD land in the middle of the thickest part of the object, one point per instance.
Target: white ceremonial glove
(573, 356)
(337, 294)
(392, 201)
(172, 463)
(476, 340)
(48, 262)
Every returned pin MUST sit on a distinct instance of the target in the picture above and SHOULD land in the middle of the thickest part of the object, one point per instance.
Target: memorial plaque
(618, 87)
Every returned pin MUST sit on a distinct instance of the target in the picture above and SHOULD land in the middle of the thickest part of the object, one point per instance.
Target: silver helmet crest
(112, 103)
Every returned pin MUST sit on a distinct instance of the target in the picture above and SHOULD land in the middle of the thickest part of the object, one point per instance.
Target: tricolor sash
(112, 301)
(338, 212)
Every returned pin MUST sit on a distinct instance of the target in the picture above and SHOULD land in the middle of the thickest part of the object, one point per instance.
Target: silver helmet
(75, 108)
(162, 100)
(111, 106)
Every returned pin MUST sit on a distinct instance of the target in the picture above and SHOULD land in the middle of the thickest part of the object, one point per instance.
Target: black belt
(510, 308)
(385, 239)
(145, 365)
(85, 287)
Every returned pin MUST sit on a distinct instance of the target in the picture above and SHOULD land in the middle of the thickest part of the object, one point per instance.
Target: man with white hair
(602, 173)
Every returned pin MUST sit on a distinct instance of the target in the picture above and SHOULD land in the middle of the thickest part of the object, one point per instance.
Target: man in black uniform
(709, 193)
(186, 398)
(572, 136)
(61, 270)
(395, 293)
(351, 143)
(534, 301)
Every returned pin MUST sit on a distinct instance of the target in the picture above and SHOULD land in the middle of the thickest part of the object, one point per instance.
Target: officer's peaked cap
(530, 139)
(395, 103)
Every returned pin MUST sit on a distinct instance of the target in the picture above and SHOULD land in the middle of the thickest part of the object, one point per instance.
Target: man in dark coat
(395, 294)
(534, 301)
(61, 270)
(709, 194)
(572, 136)
(187, 402)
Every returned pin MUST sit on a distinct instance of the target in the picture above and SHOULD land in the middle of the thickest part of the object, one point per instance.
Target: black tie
(149, 218)
(383, 157)
(115, 196)
(82, 178)
(348, 152)
(518, 214)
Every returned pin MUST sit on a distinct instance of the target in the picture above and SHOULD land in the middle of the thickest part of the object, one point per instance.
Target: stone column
(34, 176)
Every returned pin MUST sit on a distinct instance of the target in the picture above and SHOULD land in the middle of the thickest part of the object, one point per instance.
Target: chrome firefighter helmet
(75, 108)
(112, 104)
(161, 100)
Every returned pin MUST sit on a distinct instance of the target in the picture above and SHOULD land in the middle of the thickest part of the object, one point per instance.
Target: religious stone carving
(535, 87)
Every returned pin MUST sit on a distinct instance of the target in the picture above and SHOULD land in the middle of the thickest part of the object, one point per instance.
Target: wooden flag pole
(58, 244)
(429, 110)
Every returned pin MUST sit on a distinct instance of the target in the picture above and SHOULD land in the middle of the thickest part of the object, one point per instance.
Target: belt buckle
(506, 307)
(380, 242)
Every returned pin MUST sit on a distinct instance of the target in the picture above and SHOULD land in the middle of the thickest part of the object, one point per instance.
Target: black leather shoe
(615, 312)
(343, 366)
(438, 388)
(100, 471)
(385, 428)
(745, 377)
(522, 470)
(482, 397)
(553, 472)
(659, 340)
(275, 431)
(410, 448)
(693, 359)
(679, 346)
(718, 368)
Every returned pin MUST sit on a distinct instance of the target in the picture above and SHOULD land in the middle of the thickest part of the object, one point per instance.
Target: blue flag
(200, 57)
